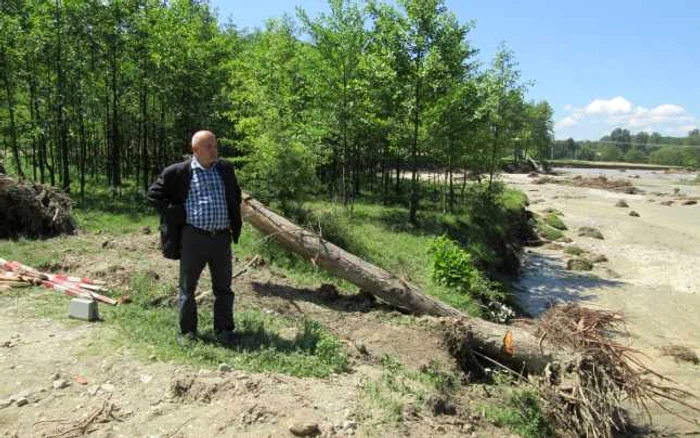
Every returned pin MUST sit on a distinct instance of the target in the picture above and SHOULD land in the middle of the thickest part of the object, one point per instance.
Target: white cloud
(568, 107)
(668, 110)
(566, 121)
(616, 105)
(620, 112)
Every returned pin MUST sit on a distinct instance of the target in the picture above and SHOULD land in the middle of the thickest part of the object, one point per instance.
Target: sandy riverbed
(653, 270)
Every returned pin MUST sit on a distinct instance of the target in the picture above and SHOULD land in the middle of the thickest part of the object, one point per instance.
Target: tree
(340, 41)
(611, 152)
(276, 115)
(622, 138)
(503, 107)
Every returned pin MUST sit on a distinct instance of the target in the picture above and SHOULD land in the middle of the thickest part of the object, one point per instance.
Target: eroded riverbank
(651, 272)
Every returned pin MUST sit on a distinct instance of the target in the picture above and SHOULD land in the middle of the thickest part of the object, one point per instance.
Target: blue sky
(601, 64)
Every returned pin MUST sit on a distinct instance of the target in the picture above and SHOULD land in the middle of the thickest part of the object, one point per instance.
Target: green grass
(521, 413)
(398, 386)
(380, 234)
(260, 346)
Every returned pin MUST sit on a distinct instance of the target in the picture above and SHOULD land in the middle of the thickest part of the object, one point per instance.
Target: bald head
(204, 147)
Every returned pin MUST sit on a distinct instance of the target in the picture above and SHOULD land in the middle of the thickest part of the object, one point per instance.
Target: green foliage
(611, 152)
(548, 232)
(554, 221)
(668, 155)
(453, 267)
(522, 414)
(399, 386)
(634, 155)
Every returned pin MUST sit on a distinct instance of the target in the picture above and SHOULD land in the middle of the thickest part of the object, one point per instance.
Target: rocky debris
(590, 232)
(634, 213)
(258, 414)
(666, 202)
(553, 246)
(690, 202)
(224, 368)
(579, 265)
(5, 403)
(145, 378)
(304, 429)
(622, 204)
(612, 274)
(598, 258)
(21, 401)
(61, 384)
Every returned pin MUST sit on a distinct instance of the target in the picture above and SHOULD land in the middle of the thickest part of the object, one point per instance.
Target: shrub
(453, 267)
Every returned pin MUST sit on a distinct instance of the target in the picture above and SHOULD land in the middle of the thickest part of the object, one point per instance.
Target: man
(199, 202)
(2, 168)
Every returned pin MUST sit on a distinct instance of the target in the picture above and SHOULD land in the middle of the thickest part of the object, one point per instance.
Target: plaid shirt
(206, 202)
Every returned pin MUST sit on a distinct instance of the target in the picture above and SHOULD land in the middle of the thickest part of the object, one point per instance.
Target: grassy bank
(486, 228)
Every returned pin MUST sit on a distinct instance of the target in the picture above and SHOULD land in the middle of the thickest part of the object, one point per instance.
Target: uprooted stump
(33, 210)
(584, 396)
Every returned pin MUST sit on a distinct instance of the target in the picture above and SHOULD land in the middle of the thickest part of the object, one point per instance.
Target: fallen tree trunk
(488, 338)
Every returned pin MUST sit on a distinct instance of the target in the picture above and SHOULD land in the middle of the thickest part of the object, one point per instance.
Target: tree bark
(485, 337)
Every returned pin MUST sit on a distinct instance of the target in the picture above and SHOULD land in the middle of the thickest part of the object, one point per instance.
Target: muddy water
(653, 272)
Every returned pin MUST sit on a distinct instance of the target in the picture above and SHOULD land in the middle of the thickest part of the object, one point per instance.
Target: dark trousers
(199, 249)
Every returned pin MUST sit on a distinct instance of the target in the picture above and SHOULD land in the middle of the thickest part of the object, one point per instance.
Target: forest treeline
(104, 93)
(623, 146)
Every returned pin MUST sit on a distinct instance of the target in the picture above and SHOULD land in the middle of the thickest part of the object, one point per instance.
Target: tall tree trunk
(62, 134)
(452, 189)
(144, 138)
(115, 158)
(414, 197)
(11, 108)
(83, 156)
(398, 176)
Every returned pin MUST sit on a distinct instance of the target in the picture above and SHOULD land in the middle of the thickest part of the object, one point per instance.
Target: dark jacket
(169, 193)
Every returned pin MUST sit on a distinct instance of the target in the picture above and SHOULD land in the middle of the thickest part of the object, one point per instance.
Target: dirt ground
(650, 275)
(127, 394)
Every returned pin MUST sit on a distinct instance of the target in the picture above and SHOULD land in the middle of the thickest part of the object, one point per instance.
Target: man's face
(206, 151)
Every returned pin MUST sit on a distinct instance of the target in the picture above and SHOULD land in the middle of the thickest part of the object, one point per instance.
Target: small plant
(522, 414)
(453, 267)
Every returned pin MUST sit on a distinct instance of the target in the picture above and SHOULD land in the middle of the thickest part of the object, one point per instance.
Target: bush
(453, 267)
